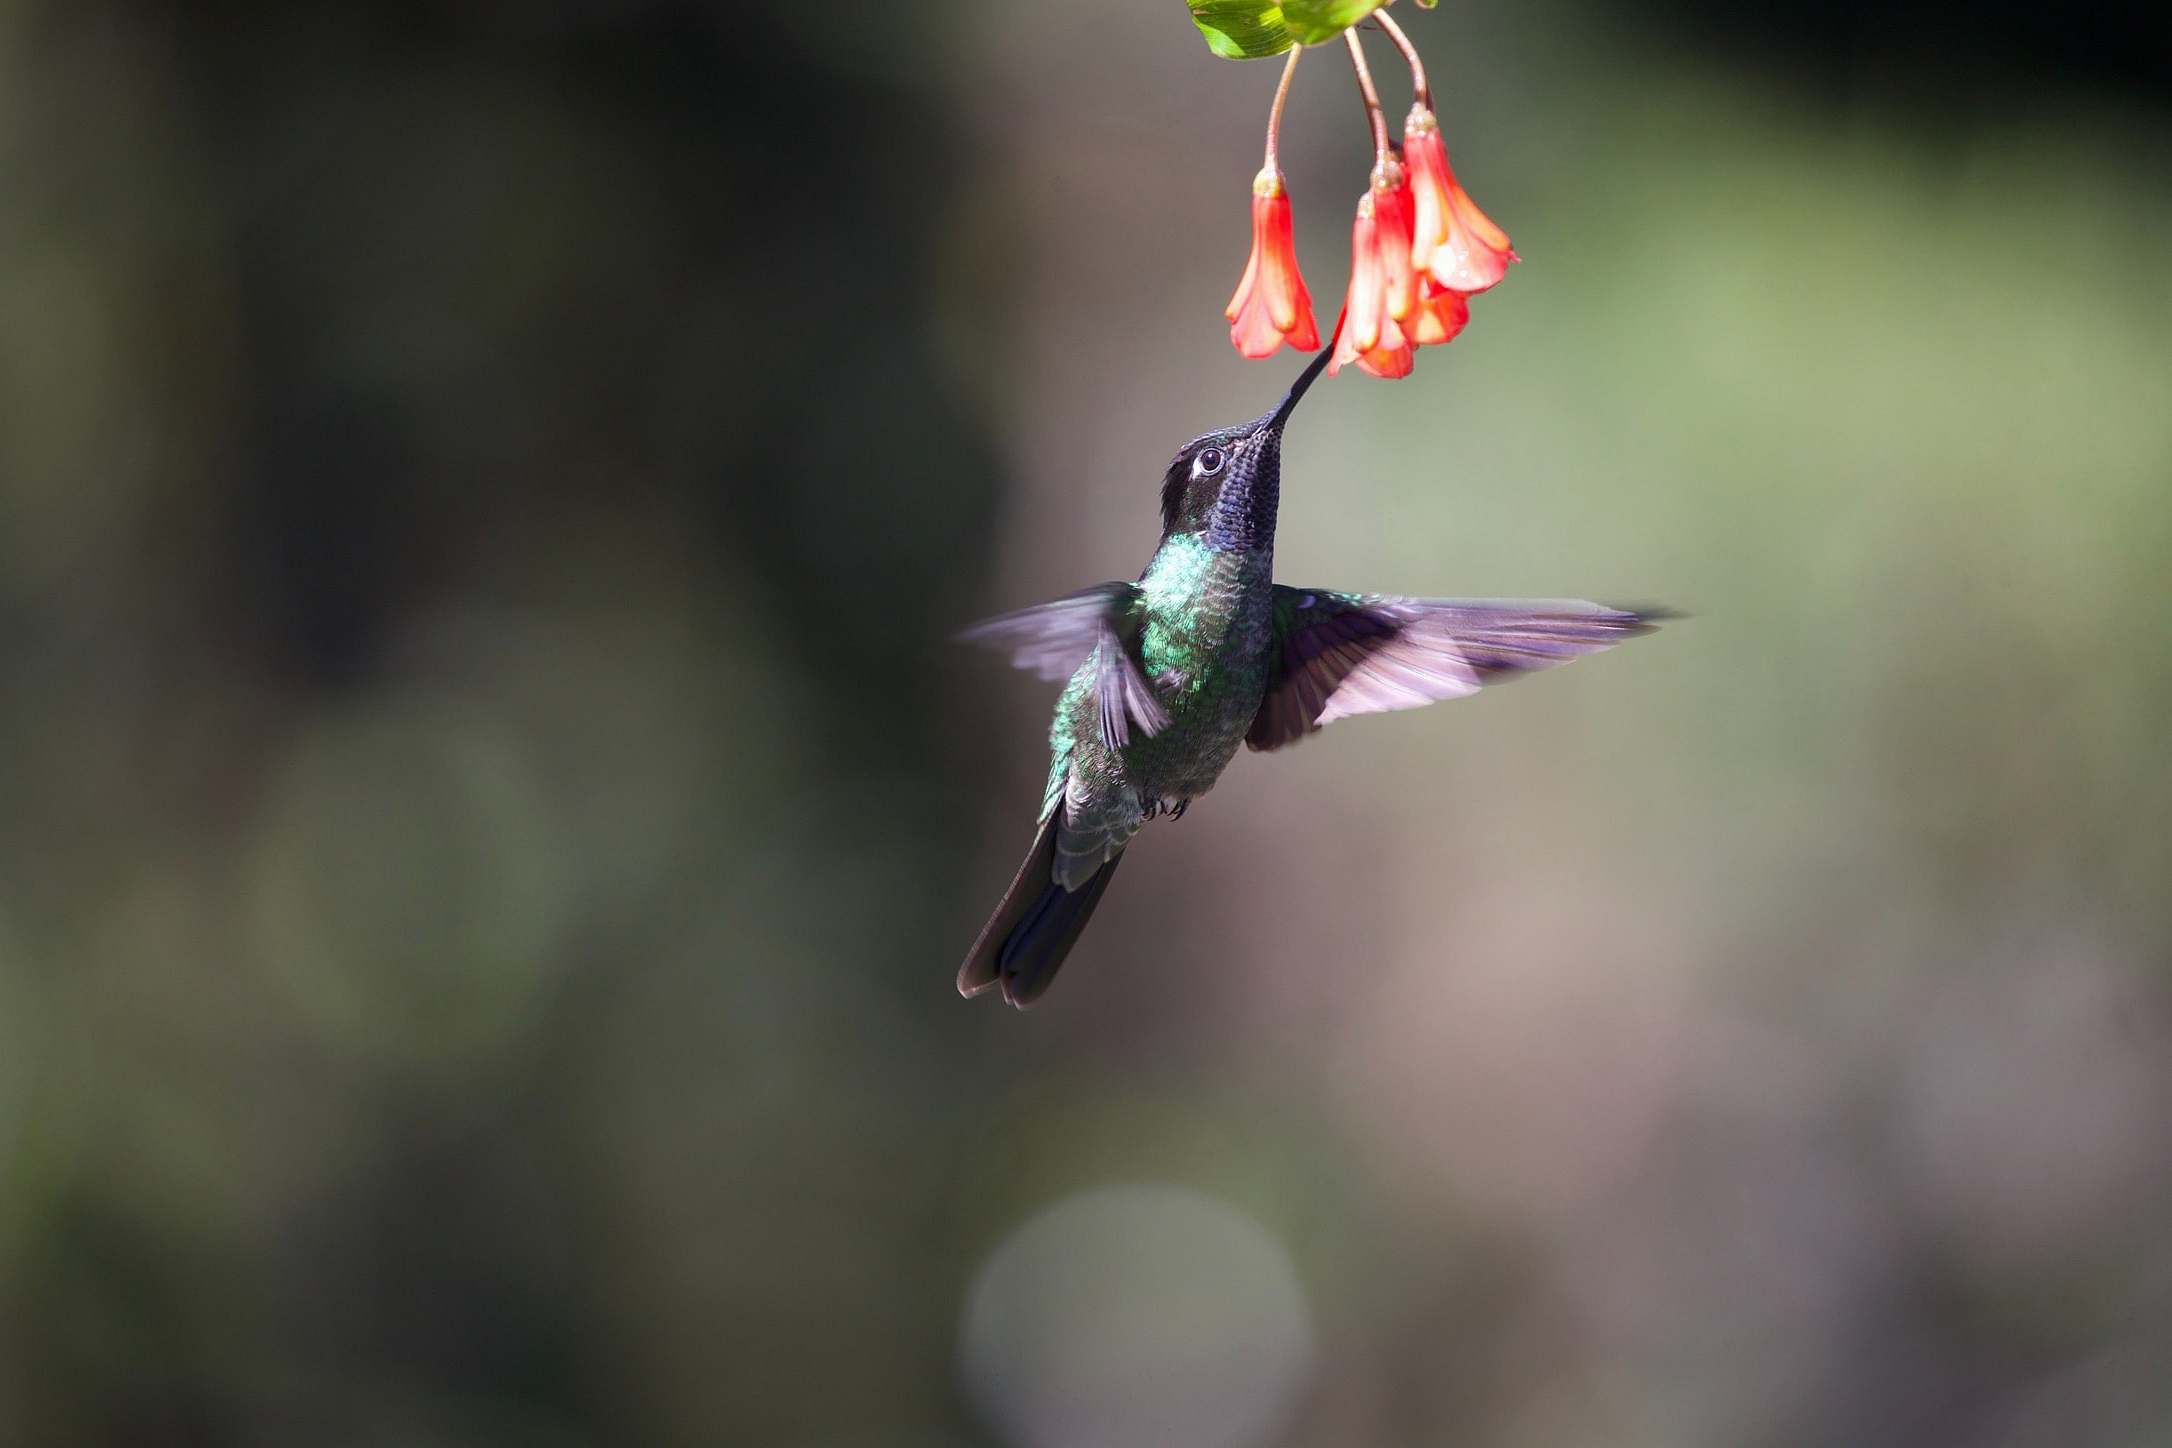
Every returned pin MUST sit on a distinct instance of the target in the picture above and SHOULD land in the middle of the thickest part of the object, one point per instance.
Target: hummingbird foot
(1181, 806)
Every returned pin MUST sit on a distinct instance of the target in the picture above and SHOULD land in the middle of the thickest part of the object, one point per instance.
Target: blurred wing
(1053, 639)
(1353, 653)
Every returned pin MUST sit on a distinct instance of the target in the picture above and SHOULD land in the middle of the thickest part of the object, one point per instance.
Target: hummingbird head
(1227, 484)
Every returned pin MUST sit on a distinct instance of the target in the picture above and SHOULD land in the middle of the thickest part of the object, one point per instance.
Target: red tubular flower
(1367, 335)
(1271, 305)
(1392, 221)
(1452, 241)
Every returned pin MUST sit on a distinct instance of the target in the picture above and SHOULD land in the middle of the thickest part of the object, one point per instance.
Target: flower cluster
(1419, 249)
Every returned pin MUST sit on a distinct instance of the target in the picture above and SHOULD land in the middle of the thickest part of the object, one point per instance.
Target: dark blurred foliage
(1950, 54)
(548, 311)
(489, 811)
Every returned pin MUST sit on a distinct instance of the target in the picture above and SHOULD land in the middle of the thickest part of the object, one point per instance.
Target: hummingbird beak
(1297, 388)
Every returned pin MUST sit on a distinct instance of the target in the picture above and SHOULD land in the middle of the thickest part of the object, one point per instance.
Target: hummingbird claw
(1181, 806)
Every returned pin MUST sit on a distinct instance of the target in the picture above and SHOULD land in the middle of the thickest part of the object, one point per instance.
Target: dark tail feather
(1024, 942)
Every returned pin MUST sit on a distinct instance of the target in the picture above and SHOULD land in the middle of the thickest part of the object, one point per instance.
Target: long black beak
(1297, 388)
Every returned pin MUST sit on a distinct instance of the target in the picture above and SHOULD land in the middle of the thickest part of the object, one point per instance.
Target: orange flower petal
(1245, 286)
(1480, 224)
(1364, 306)
(1468, 261)
(1392, 358)
(1440, 316)
(1427, 161)
(1253, 332)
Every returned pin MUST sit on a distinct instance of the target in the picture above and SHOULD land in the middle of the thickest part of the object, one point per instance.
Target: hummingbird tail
(1024, 943)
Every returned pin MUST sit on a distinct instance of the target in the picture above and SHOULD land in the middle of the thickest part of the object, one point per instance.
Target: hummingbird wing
(1340, 654)
(1053, 639)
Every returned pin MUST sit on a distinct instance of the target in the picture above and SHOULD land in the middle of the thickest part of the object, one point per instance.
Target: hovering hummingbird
(1206, 651)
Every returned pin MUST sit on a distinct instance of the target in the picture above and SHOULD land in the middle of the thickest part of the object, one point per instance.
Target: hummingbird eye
(1209, 462)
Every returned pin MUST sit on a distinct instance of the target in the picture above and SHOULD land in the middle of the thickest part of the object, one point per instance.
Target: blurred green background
(490, 812)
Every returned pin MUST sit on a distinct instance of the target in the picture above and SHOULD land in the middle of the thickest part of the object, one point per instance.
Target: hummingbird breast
(1205, 644)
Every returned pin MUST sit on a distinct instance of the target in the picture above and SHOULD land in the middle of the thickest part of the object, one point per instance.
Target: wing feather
(1344, 654)
(1054, 639)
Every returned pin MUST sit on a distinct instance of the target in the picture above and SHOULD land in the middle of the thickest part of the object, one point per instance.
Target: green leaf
(1313, 22)
(1241, 29)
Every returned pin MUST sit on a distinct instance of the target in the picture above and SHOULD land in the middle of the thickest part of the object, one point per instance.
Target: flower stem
(1274, 114)
(1420, 91)
(1371, 97)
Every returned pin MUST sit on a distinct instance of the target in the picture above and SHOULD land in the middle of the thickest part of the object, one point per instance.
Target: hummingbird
(1168, 675)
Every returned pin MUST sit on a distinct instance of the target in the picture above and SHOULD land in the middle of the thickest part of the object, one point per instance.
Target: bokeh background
(490, 812)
